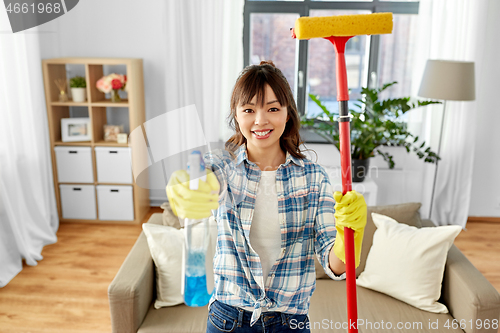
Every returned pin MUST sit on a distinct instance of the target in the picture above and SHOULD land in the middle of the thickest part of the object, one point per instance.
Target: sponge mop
(338, 30)
(343, 25)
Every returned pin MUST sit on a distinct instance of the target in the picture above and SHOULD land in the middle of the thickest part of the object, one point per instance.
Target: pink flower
(103, 85)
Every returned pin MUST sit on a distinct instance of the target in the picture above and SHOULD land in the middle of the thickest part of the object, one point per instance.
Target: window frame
(302, 8)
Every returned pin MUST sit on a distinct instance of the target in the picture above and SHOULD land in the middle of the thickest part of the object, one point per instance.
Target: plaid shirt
(305, 206)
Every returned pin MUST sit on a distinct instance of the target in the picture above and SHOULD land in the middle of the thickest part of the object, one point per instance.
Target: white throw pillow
(165, 244)
(407, 263)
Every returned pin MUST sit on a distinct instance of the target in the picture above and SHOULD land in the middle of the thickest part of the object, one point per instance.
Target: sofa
(469, 297)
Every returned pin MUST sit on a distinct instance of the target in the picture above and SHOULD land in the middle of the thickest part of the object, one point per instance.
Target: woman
(274, 211)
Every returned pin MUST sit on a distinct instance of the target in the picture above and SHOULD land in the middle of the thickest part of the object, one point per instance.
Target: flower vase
(115, 97)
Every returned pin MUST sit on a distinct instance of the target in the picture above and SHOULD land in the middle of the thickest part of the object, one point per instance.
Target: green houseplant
(374, 123)
(78, 87)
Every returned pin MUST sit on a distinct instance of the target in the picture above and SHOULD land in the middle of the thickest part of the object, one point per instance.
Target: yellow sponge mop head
(343, 25)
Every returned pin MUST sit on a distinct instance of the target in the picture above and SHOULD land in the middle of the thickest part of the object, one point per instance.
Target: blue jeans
(226, 318)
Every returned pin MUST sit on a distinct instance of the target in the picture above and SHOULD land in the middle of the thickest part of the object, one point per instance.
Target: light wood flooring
(67, 291)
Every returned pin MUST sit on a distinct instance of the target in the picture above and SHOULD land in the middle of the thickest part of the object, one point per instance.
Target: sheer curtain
(204, 54)
(28, 212)
(451, 30)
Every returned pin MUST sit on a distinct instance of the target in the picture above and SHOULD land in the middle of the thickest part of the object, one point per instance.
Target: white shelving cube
(78, 202)
(114, 165)
(115, 202)
(74, 164)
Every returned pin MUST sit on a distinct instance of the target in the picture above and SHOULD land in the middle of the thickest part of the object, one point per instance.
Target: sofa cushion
(407, 263)
(405, 213)
(169, 217)
(328, 308)
(166, 244)
(175, 319)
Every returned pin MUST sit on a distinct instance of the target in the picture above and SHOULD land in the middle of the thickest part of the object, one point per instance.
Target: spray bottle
(197, 280)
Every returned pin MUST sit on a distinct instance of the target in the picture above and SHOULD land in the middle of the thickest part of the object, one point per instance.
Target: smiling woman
(274, 210)
(262, 125)
(264, 116)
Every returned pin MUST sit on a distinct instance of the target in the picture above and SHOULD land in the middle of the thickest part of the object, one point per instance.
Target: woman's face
(262, 126)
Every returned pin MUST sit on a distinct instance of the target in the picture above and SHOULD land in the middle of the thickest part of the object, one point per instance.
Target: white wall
(485, 199)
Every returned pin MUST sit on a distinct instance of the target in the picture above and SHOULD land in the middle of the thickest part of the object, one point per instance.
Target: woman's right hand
(193, 204)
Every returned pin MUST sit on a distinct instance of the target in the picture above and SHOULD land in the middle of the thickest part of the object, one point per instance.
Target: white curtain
(28, 212)
(451, 30)
(204, 54)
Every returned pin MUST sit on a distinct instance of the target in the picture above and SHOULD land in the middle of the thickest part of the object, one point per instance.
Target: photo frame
(111, 132)
(75, 129)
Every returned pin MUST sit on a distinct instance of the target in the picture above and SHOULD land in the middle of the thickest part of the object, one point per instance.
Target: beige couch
(470, 298)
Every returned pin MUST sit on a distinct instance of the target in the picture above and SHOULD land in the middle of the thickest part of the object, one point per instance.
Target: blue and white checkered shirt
(305, 206)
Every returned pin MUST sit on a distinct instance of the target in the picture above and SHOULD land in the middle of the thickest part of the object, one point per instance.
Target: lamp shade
(448, 80)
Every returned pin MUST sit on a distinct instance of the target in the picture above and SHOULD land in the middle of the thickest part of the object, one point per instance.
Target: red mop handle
(345, 166)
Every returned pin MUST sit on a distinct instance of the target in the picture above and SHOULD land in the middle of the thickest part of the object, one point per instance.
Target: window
(321, 71)
(309, 66)
(270, 40)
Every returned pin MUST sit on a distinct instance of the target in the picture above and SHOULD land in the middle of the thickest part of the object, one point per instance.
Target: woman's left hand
(350, 212)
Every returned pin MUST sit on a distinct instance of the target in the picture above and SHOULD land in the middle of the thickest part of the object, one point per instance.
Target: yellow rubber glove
(350, 212)
(193, 204)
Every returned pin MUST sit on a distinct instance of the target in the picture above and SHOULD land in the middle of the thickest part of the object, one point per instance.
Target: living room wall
(128, 29)
(485, 199)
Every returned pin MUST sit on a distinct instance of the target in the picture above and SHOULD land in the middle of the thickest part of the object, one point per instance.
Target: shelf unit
(97, 106)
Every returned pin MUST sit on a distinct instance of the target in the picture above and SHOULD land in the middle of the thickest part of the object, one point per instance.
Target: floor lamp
(449, 81)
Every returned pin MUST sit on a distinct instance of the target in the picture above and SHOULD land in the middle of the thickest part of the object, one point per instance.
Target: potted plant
(374, 124)
(78, 88)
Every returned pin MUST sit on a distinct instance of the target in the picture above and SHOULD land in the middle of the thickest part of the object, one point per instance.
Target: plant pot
(78, 94)
(359, 170)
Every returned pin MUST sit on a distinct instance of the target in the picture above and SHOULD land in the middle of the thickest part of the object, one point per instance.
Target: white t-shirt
(265, 231)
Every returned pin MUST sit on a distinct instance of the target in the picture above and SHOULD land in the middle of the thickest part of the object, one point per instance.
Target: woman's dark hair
(252, 81)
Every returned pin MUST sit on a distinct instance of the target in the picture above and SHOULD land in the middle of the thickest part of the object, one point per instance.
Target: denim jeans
(226, 318)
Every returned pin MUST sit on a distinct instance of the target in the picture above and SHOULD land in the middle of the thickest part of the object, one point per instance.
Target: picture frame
(111, 132)
(75, 129)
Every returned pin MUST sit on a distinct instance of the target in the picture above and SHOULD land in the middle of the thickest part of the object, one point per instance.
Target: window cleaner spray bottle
(197, 264)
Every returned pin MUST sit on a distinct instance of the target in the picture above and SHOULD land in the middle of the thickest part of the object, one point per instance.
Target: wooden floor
(481, 245)
(67, 291)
